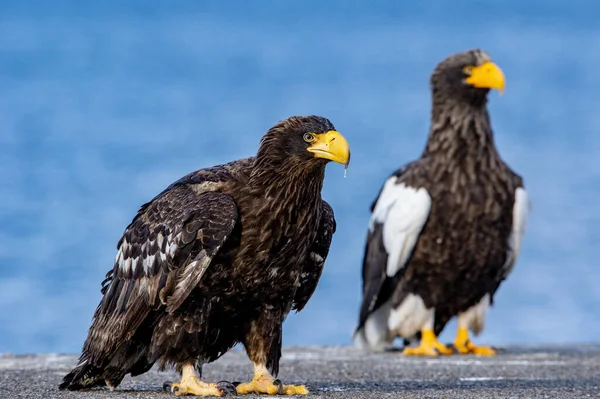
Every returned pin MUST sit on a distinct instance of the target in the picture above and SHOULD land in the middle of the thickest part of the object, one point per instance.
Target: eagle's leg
(264, 383)
(462, 342)
(474, 319)
(429, 346)
(191, 384)
(263, 345)
(464, 346)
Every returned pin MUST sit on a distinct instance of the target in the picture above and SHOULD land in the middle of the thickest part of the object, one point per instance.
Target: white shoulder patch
(520, 211)
(403, 212)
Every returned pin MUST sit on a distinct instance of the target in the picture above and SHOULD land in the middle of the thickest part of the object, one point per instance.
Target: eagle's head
(305, 142)
(467, 76)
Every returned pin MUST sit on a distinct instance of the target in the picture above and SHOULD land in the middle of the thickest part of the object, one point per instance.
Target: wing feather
(403, 211)
(520, 211)
(398, 215)
(161, 257)
(316, 259)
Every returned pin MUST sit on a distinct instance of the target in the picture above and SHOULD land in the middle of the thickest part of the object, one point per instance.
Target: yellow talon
(190, 384)
(264, 383)
(429, 346)
(464, 346)
(295, 390)
(197, 388)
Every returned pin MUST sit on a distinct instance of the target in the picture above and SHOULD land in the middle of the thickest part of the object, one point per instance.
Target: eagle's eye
(468, 70)
(308, 137)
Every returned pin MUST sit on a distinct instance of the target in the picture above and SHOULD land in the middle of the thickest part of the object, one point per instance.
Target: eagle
(445, 229)
(220, 257)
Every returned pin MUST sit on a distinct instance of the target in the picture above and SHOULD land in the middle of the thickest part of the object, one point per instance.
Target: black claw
(236, 383)
(167, 386)
(280, 385)
(227, 388)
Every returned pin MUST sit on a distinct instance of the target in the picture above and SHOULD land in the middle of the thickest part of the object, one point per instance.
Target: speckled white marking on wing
(316, 257)
(172, 248)
(148, 262)
(403, 212)
(126, 265)
(119, 258)
(134, 264)
(273, 272)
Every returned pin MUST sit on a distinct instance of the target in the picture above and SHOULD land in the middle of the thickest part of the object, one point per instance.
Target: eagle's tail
(83, 376)
(130, 359)
(87, 376)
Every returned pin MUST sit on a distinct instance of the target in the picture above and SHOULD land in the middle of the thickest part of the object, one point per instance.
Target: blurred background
(103, 104)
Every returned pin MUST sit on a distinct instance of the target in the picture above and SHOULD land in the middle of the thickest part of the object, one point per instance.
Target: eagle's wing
(311, 273)
(520, 211)
(400, 213)
(397, 218)
(161, 257)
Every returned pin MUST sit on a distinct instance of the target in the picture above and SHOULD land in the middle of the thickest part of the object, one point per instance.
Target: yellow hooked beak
(487, 75)
(331, 145)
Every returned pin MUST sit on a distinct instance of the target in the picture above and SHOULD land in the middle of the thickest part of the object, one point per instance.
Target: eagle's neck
(461, 135)
(288, 181)
(285, 199)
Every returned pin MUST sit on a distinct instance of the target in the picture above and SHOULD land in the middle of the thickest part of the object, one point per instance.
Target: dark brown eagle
(446, 229)
(218, 258)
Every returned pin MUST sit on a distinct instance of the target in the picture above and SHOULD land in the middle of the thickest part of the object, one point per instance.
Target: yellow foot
(193, 386)
(464, 346)
(267, 385)
(429, 346)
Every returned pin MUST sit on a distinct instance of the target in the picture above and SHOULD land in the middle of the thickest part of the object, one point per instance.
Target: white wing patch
(520, 211)
(403, 212)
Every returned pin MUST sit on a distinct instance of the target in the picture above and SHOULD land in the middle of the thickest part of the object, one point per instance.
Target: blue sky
(104, 105)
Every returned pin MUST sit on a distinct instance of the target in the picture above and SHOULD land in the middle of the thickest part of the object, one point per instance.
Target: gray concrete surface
(342, 372)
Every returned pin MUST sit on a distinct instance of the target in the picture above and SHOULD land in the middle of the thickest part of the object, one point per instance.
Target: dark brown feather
(311, 273)
(214, 260)
(461, 251)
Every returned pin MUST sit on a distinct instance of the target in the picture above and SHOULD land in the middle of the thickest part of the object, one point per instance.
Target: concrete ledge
(342, 372)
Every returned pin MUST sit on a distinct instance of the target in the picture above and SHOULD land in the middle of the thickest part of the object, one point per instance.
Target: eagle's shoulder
(215, 177)
(185, 192)
(517, 179)
(413, 175)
